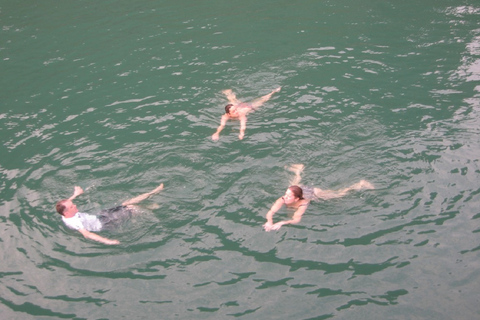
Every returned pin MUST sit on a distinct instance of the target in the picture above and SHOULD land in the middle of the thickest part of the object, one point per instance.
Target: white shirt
(85, 221)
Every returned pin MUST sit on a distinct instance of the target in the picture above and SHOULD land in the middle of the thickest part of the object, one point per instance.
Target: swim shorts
(309, 193)
(112, 217)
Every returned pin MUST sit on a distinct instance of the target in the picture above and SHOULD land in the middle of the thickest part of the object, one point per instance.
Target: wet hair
(227, 108)
(297, 192)
(61, 206)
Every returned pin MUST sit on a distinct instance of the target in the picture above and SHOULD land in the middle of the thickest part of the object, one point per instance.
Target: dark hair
(227, 108)
(297, 192)
(61, 206)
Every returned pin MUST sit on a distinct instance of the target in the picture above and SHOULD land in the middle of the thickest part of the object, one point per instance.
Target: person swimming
(298, 197)
(239, 110)
(87, 224)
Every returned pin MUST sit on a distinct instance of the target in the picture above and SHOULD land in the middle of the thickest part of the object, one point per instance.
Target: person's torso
(83, 221)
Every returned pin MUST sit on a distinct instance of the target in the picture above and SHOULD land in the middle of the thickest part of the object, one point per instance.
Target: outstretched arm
(223, 121)
(93, 236)
(297, 216)
(231, 96)
(243, 126)
(275, 207)
(76, 192)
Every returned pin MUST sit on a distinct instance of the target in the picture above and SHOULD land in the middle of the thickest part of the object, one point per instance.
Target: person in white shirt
(86, 223)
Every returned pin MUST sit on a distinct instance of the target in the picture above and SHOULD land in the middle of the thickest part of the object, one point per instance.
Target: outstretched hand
(267, 226)
(76, 192)
(215, 136)
(277, 226)
(272, 227)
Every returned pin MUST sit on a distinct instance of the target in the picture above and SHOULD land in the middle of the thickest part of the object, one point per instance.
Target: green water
(118, 96)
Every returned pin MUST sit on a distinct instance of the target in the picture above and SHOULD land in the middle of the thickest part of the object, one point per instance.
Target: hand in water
(267, 226)
(277, 226)
(77, 191)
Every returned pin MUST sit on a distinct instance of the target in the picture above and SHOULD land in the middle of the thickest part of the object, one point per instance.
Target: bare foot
(362, 184)
(296, 168)
(366, 185)
(157, 189)
(152, 206)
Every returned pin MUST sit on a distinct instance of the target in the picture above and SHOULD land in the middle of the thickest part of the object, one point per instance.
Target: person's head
(66, 207)
(230, 110)
(293, 194)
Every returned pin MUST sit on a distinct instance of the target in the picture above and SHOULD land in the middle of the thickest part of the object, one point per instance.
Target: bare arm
(76, 192)
(93, 236)
(243, 126)
(223, 122)
(297, 216)
(275, 207)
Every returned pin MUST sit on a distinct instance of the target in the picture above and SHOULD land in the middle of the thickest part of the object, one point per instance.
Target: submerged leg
(297, 169)
(332, 194)
(142, 196)
(232, 98)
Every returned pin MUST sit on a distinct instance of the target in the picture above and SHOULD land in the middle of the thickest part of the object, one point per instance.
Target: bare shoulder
(303, 203)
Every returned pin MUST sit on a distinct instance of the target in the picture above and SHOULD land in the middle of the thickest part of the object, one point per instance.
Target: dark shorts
(113, 217)
(309, 193)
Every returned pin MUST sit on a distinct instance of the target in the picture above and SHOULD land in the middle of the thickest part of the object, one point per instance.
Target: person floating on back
(86, 223)
(298, 198)
(239, 110)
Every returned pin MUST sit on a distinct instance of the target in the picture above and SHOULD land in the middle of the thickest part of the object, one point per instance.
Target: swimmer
(298, 197)
(86, 223)
(239, 110)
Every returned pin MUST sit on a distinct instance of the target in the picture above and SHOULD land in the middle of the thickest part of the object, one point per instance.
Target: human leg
(232, 98)
(142, 197)
(297, 169)
(260, 101)
(332, 194)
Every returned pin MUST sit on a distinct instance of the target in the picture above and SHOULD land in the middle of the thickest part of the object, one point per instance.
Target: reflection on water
(119, 103)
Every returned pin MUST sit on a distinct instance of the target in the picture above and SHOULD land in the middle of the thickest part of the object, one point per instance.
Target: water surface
(117, 97)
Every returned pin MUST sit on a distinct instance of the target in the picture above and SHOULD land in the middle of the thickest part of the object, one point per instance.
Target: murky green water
(118, 96)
